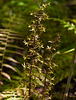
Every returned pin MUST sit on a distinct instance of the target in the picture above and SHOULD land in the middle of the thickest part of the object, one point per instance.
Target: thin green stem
(70, 76)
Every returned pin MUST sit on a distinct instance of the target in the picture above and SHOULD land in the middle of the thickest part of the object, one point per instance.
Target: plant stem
(30, 72)
(44, 85)
(70, 76)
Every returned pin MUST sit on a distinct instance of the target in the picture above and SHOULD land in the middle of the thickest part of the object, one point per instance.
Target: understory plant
(38, 74)
(7, 48)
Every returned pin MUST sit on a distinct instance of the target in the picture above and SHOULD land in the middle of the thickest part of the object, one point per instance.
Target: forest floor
(59, 89)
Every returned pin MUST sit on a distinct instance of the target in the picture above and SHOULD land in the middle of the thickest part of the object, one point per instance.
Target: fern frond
(7, 48)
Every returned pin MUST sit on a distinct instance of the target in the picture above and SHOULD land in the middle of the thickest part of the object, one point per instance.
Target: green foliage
(15, 15)
(7, 47)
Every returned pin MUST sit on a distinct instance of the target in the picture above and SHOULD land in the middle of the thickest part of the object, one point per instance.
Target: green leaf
(67, 24)
(1, 83)
(72, 26)
(69, 51)
(1, 48)
(6, 75)
(39, 82)
(18, 71)
(3, 43)
(9, 66)
(15, 38)
(13, 34)
(14, 46)
(16, 77)
(3, 35)
(1, 54)
(15, 52)
(14, 98)
(3, 39)
(75, 32)
(21, 3)
(11, 59)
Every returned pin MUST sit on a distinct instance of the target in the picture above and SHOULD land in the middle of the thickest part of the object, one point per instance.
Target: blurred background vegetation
(15, 15)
